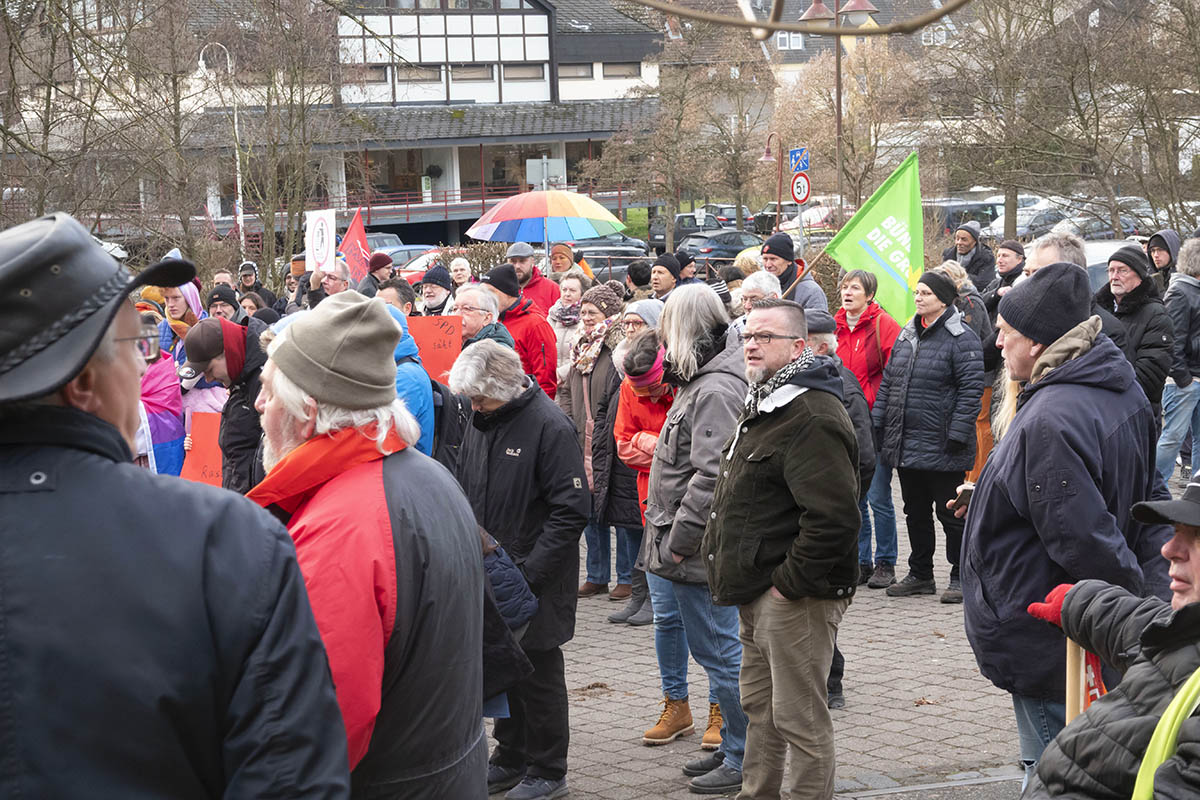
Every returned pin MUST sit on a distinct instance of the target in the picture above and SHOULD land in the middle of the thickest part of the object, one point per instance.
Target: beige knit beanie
(341, 352)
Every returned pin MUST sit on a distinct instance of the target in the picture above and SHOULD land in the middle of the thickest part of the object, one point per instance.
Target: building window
(781, 40)
(375, 73)
(410, 74)
(574, 71)
(524, 72)
(471, 72)
(797, 42)
(936, 36)
(785, 40)
(623, 69)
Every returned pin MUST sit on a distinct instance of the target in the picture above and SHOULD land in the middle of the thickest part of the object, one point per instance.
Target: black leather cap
(59, 292)
(1185, 510)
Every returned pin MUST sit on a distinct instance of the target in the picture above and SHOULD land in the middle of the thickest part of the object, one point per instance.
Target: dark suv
(685, 225)
(764, 221)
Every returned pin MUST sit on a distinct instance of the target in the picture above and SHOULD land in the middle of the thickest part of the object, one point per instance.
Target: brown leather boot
(589, 589)
(675, 721)
(712, 734)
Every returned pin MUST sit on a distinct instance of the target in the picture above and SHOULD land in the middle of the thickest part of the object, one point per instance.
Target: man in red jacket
(534, 286)
(404, 632)
(526, 323)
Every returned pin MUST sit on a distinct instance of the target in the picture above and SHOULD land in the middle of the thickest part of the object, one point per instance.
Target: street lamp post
(857, 12)
(769, 158)
(239, 211)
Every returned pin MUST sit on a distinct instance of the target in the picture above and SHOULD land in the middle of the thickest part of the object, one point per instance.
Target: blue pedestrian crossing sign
(798, 159)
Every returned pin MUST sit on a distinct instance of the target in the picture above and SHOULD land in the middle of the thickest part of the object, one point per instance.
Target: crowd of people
(404, 561)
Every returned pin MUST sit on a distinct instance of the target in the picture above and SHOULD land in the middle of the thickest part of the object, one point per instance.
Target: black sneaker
(912, 585)
(703, 765)
(885, 576)
(953, 593)
(722, 780)
(501, 778)
(864, 572)
(836, 700)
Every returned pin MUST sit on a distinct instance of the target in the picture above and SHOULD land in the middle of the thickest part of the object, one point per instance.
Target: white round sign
(801, 188)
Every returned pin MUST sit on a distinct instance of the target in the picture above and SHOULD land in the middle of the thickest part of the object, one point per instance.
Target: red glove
(1051, 609)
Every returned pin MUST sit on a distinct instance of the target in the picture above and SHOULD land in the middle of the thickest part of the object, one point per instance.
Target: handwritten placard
(203, 462)
(440, 342)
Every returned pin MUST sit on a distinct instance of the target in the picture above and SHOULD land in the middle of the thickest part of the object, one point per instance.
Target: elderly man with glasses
(480, 313)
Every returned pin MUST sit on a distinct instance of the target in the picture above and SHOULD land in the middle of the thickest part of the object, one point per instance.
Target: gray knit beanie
(341, 352)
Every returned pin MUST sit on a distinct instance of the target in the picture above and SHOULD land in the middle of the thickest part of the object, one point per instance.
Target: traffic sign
(320, 239)
(798, 159)
(801, 188)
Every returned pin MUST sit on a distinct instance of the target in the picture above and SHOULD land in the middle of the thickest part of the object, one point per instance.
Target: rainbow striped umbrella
(539, 216)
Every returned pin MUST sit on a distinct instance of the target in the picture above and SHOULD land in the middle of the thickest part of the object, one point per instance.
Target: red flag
(354, 247)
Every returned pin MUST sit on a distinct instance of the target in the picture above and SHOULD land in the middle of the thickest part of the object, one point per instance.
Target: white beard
(272, 455)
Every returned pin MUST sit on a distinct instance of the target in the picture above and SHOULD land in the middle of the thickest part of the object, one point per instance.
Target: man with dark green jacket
(782, 543)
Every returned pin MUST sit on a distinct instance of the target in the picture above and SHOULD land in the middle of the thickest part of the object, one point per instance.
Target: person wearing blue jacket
(412, 382)
(1054, 503)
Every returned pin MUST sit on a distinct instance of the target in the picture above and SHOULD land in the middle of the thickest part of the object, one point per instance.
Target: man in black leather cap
(141, 654)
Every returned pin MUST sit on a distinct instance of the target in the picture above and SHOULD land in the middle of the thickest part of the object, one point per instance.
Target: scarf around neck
(587, 348)
(762, 391)
(567, 316)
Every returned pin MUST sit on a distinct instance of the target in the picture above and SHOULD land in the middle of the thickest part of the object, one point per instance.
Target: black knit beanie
(1134, 257)
(1053, 301)
(780, 244)
(941, 286)
(669, 263)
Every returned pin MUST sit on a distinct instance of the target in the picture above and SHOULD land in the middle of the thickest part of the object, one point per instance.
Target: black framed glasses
(146, 343)
(764, 337)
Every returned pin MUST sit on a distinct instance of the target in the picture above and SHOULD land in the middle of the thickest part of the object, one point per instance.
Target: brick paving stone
(917, 709)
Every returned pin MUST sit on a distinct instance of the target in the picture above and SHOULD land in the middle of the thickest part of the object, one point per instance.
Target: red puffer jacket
(536, 343)
(866, 349)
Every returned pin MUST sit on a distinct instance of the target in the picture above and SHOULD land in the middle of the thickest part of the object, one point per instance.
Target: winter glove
(953, 446)
(1051, 609)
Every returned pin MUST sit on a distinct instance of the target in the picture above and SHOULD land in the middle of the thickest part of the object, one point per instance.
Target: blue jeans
(879, 497)
(670, 640)
(1038, 722)
(712, 635)
(599, 553)
(1181, 413)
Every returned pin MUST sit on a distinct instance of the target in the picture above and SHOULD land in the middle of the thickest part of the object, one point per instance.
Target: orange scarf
(300, 473)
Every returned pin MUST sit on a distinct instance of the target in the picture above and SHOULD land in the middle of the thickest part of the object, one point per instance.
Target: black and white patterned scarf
(762, 391)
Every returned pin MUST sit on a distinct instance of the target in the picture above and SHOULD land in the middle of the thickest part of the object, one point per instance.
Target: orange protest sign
(440, 342)
(203, 462)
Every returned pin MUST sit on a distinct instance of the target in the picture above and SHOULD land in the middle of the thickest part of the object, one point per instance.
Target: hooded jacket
(616, 494)
(1149, 338)
(785, 507)
(542, 291)
(1053, 505)
(807, 292)
(1183, 307)
(268, 297)
(494, 331)
(1169, 240)
(991, 293)
(970, 304)
(534, 341)
(241, 429)
(412, 382)
(522, 471)
(855, 402)
(866, 349)
(572, 392)
(1156, 648)
(151, 656)
(924, 414)
(636, 426)
(687, 460)
(982, 266)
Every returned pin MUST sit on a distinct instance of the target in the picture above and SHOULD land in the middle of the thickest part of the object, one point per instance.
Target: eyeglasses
(472, 309)
(146, 343)
(764, 337)
(633, 324)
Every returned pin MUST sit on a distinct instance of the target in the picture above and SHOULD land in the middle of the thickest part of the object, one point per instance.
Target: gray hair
(575, 273)
(764, 282)
(340, 269)
(686, 327)
(331, 418)
(955, 272)
(454, 262)
(1068, 246)
(1188, 261)
(488, 369)
(815, 340)
(487, 300)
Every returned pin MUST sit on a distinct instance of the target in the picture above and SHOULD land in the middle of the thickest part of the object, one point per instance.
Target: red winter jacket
(535, 341)
(635, 429)
(542, 291)
(866, 349)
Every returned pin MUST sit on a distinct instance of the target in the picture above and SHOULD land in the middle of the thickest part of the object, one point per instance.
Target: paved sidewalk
(917, 710)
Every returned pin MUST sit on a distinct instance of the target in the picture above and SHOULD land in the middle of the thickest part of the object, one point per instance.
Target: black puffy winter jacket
(924, 414)
(1149, 338)
(1098, 755)
(241, 429)
(1183, 307)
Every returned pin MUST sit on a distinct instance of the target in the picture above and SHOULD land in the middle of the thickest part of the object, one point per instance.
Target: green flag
(886, 238)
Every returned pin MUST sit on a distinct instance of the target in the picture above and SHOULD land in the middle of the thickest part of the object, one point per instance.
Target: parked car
(414, 269)
(1092, 227)
(404, 253)
(1098, 253)
(948, 213)
(378, 241)
(685, 225)
(617, 239)
(1032, 222)
(727, 215)
(819, 222)
(718, 249)
(764, 221)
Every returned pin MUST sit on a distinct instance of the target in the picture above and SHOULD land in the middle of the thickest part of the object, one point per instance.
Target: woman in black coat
(924, 418)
